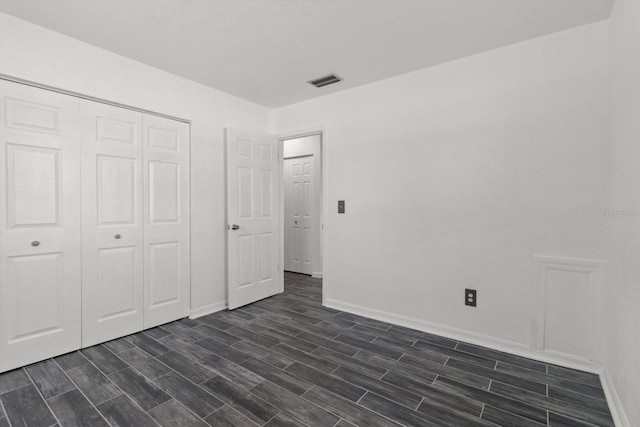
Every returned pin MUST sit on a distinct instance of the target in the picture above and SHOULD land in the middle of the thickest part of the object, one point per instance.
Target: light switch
(340, 206)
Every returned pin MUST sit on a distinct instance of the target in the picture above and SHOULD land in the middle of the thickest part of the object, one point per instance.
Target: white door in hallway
(112, 231)
(252, 209)
(166, 220)
(40, 307)
(299, 217)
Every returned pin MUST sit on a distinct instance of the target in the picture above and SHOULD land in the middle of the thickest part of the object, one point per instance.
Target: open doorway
(302, 204)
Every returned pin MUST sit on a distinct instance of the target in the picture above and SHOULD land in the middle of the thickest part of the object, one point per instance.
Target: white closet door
(112, 224)
(299, 214)
(40, 313)
(166, 220)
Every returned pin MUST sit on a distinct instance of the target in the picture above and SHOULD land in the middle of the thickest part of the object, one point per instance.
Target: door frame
(324, 209)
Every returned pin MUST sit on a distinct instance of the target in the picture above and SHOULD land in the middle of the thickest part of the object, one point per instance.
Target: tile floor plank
(173, 414)
(93, 383)
(351, 362)
(395, 411)
(382, 388)
(71, 360)
(144, 363)
(148, 344)
(574, 375)
(249, 404)
(548, 403)
(122, 412)
(511, 359)
(346, 409)
(25, 408)
(277, 376)
(429, 392)
(12, 380)
(223, 336)
(329, 382)
(73, 409)
(515, 406)
(229, 417)
(103, 359)
(221, 349)
(262, 353)
(306, 358)
(233, 372)
(507, 419)
(444, 415)
(496, 375)
(195, 398)
(139, 388)
(259, 339)
(374, 348)
(188, 368)
(49, 378)
(283, 420)
(294, 405)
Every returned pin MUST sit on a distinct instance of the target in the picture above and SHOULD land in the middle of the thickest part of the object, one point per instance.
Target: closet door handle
(35, 243)
(235, 227)
(117, 236)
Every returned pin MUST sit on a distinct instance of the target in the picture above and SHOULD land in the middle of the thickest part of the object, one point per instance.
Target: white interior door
(252, 209)
(299, 214)
(166, 220)
(40, 314)
(112, 230)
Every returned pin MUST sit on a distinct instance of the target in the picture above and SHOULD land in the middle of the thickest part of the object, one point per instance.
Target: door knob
(117, 236)
(35, 243)
(295, 222)
(235, 227)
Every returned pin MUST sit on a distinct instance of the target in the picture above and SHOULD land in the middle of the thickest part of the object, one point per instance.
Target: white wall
(456, 175)
(310, 145)
(623, 223)
(34, 53)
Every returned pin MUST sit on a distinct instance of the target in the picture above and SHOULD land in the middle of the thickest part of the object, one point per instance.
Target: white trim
(88, 97)
(613, 400)
(519, 349)
(538, 318)
(208, 309)
(317, 274)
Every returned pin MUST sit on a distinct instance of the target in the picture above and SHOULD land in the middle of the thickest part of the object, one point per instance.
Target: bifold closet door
(40, 312)
(166, 220)
(112, 222)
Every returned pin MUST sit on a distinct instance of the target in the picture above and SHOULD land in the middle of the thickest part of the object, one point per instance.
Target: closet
(94, 222)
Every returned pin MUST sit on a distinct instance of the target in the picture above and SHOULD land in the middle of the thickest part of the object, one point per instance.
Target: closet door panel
(166, 175)
(112, 232)
(40, 312)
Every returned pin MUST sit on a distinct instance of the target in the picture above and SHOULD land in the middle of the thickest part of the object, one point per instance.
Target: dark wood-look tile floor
(288, 361)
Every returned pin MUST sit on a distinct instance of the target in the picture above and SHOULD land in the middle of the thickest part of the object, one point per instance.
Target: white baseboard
(615, 406)
(499, 344)
(317, 275)
(208, 309)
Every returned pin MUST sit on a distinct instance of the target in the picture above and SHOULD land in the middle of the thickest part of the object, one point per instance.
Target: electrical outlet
(470, 297)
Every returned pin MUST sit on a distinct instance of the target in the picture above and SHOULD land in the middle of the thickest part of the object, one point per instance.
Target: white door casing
(40, 307)
(166, 220)
(299, 214)
(252, 206)
(112, 230)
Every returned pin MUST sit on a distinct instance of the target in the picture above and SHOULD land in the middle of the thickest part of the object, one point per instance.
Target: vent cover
(325, 81)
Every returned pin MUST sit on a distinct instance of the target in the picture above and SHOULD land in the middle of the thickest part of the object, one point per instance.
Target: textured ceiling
(266, 51)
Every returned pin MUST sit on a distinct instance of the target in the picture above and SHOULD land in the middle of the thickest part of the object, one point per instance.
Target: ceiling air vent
(325, 81)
